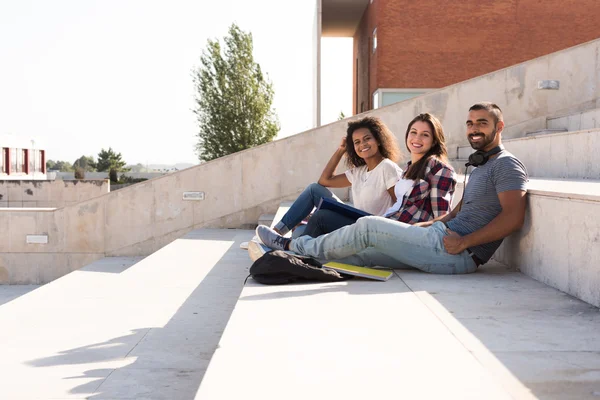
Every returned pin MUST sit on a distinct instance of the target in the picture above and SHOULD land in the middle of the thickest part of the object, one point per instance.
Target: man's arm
(510, 219)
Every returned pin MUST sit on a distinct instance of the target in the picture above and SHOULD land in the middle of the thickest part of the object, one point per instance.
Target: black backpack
(279, 268)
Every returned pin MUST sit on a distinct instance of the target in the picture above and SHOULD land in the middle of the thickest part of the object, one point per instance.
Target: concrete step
(563, 155)
(266, 219)
(463, 152)
(125, 328)
(544, 132)
(272, 219)
(495, 334)
(567, 155)
(589, 119)
(560, 237)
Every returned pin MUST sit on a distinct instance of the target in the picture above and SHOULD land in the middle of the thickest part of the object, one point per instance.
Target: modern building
(404, 48)
(21, 159)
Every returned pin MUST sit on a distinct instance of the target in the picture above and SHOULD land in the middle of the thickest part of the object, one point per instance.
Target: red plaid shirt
(430, 197)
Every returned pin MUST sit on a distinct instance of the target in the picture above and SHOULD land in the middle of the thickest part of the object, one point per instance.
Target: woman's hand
(328, 177)
(343, 144)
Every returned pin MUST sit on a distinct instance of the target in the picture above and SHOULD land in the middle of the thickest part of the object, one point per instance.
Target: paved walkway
(126, 328)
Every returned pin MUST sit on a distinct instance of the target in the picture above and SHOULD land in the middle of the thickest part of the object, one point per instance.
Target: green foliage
(62, 166)
(233, 99)
(86, 163)
(128, 179)
(341, 116)
(110, 161)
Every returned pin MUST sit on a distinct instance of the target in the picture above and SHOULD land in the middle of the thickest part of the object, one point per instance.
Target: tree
(233, 98)
(85, 162)
(110, 161)
(341, 116)
(62, 166)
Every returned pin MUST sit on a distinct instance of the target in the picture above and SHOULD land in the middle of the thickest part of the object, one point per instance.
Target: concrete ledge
(49, 193)
(27, 209)
(490, 335)
(559, 244)
(566, 189)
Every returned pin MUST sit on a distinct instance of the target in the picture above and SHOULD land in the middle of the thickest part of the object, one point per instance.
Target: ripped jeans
(377, 241)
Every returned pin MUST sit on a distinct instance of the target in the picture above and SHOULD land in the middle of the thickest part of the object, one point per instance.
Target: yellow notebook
(363, 272)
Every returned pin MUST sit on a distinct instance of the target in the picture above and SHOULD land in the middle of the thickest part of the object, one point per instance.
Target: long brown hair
(388, 146)
(438, 148)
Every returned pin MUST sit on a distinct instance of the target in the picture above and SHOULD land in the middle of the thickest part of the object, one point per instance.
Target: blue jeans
(304, 204)
(325, 221)
(383, 242)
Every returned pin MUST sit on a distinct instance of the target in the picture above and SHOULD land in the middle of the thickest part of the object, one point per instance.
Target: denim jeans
(304, 204)
(325, 221)
(383, 242)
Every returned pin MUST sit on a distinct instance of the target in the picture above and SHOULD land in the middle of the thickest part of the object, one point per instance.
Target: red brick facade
(435, 43)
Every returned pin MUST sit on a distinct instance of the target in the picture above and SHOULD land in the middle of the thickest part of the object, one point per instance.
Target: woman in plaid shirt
(428, 182)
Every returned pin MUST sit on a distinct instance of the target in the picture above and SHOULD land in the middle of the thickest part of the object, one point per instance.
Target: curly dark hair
(388, 146)
(438, 149)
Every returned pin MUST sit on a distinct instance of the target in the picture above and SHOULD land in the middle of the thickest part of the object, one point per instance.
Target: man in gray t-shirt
(482, 200)
(492, 208)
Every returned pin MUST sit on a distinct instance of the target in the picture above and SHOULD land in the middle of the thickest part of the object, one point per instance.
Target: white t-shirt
(403, 188)
(369, 188)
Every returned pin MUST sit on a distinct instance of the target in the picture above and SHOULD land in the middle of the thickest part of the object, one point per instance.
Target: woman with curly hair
(371, 154)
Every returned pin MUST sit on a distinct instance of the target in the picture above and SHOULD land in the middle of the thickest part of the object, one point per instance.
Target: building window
(37, 161)
(31, 162)
(43, 161)
(374, 40)
(13, 161)
(6, 157)
(23, 161)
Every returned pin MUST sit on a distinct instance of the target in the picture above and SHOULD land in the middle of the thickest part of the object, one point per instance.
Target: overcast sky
(81, 75)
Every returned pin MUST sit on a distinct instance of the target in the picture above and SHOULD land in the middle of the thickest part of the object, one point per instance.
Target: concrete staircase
(124, 327)
(181, 324)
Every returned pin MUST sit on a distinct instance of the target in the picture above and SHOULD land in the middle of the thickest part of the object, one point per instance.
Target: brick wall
(435, 43)
(365, 62)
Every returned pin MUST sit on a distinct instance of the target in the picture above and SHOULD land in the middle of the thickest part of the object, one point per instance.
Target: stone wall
(40, 194)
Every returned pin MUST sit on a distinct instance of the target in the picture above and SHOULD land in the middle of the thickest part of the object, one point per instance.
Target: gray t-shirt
(480, 202)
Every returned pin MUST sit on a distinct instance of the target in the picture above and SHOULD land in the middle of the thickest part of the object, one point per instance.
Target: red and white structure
(21, 159)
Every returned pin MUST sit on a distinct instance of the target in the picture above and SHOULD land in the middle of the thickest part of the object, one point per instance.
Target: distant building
(404, 48)
(21, 159)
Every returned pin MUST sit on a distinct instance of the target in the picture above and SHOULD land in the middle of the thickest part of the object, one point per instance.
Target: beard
(487, 139)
